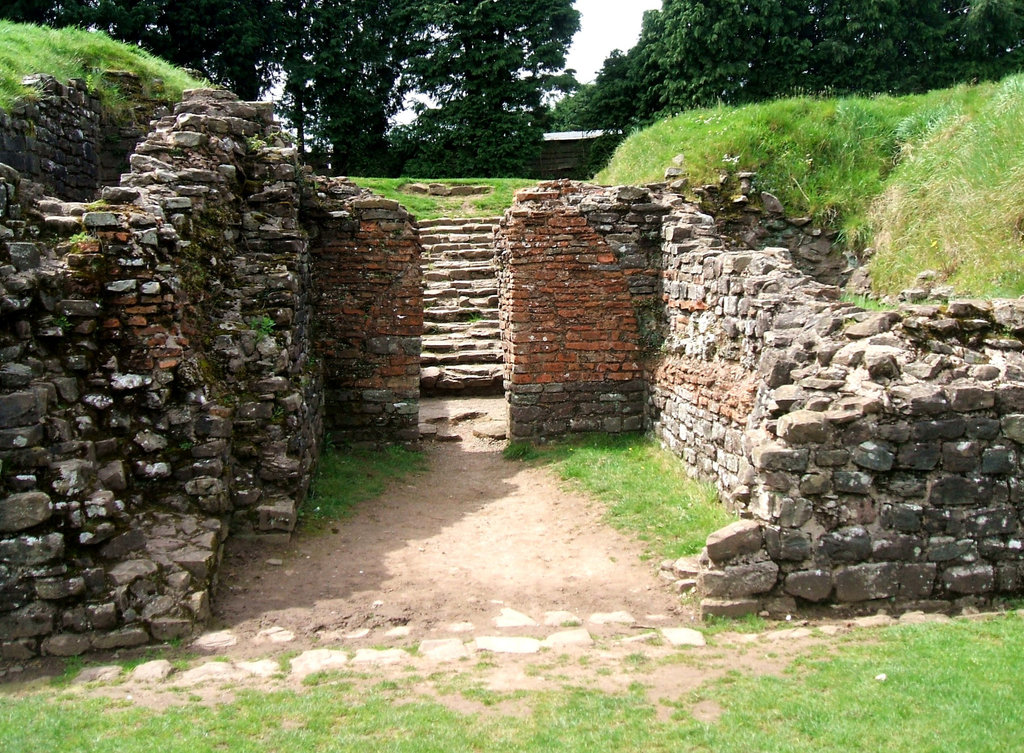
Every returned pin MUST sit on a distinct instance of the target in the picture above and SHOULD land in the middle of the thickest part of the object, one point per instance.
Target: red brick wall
(369, 315)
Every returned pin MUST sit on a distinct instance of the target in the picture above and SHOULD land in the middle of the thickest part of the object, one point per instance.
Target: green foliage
(347, 477)
(486, 66)
(699, 54)
(953, 203)
(424, 207)
(262, 325)
(72, 53)
(646, 489)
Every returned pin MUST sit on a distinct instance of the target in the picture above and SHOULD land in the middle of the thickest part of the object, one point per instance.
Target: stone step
(449, 298)
(462, 357)
(458, 222)
(456, 239)
(478, 330)
(450, 314)
(472, 378)
(440, 344)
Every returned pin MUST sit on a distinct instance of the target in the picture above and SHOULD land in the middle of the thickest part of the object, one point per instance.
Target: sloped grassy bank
(928, 180)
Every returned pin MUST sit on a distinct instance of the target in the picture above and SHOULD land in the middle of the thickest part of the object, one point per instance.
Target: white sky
(605, 25)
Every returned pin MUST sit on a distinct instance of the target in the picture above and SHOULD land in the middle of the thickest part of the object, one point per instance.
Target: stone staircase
(461, 338)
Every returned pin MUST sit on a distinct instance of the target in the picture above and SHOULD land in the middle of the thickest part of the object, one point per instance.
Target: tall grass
(930, 180)
(954, 203)
(74, 53)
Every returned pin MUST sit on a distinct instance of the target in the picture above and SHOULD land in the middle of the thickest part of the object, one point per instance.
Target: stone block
(29, 551)
(917, 581)
(898, 547)
(968, 397)
(1013, 427)
(66, 644)
(962, 491)
(739, 580)
(125, 638)
(19, 409)
(21, 511)
(867, 582)
(804, 427)
(874, 456)
(919, 456)
(735, 540)
(27, 622)
(731, 608)
(772, 457)
(852, 482)
(811, 585)
(998, 461)
(851, 544)
(125, 573)
(969, 579)
(787, 544)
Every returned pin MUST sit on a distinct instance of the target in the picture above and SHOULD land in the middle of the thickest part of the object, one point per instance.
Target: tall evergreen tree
(486, 67)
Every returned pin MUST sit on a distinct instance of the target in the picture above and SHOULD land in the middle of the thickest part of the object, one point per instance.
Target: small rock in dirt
(373, 656)
(261, 668)
(561, 619)
(788, 634)
(491, 430)
(398, 632)
(98, 674)
(213, 671)
(920, 618)
(317, 660)
(831, 630)
(878, 620)
(612, 618)
(507, 645)
(461, 627)
(152, 671)
(510, 618)
(355, 635)
(642, 638)
(215, 641)
(275, 635)
(275, 562)
(578, 637)
(680, 636)
(443, 650)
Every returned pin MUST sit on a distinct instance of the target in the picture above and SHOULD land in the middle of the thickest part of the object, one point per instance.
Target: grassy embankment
(73, 53)
(930, 181)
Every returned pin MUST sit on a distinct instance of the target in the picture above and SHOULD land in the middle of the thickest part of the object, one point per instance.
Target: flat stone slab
(650, 637)
(374, 656)
(355, 635)
(787, 634)
(215, 641)
(444, 650)
(491, 430)
(275, 635)
(681, 636)
(507, 645)
(612, 618)
(567, 638)
(261, 668)
(461, 627)
(317, 660)
(152, 671)
(213, 671)
(510, 618)
(98, 674)
(561, 619)
(402, 631)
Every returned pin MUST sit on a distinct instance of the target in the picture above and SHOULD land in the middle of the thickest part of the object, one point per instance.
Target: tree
(487, 67)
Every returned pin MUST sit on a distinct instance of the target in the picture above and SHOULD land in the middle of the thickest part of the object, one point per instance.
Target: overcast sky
(605, 25)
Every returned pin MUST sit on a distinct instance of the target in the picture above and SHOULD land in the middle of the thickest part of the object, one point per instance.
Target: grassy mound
(926, 179)
(425, 207)
(73, 53)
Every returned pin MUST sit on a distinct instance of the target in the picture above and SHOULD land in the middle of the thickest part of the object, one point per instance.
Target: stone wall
(66, 141)
(369, 323)
(157, 383)
(875, 457)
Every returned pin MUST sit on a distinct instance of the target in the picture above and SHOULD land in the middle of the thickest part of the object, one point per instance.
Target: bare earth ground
(475, 533)
(444, 556)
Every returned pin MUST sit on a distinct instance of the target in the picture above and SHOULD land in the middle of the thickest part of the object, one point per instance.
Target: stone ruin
(172, 355)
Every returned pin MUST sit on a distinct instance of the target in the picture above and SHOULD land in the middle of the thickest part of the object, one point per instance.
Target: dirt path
(443, 553)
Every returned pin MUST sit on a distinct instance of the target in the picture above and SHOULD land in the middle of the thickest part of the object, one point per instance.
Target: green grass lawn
(74, 53)
(645, 488)
(424, 207)
(947, 688)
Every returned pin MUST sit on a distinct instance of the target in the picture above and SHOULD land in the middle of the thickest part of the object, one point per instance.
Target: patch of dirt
(473, 534)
